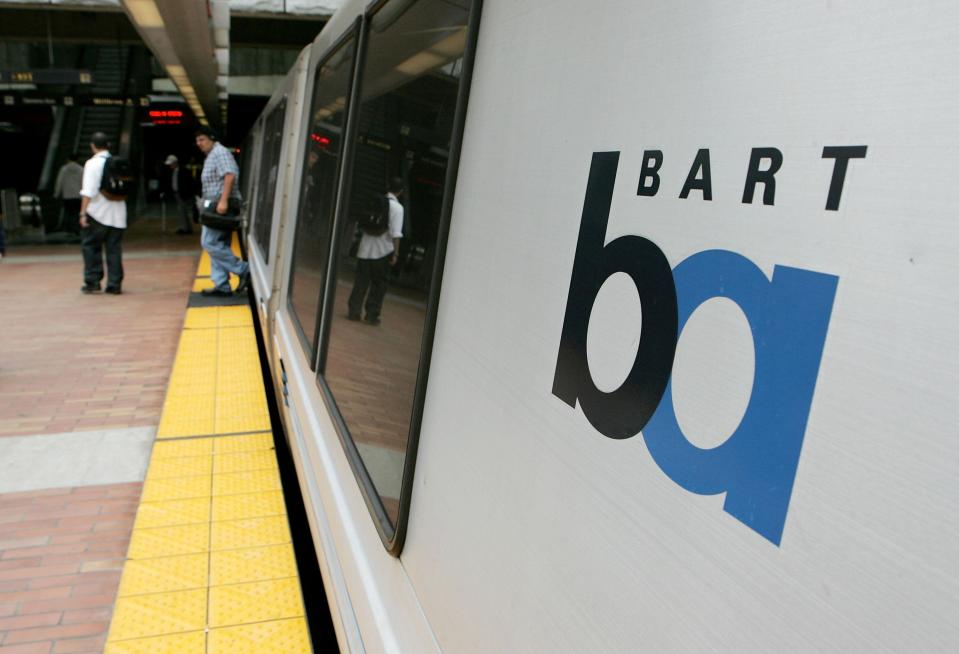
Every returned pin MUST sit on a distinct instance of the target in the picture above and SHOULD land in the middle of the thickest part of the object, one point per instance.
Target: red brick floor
(71, 362)
(74, 362)
(372, 371)
(61, 554)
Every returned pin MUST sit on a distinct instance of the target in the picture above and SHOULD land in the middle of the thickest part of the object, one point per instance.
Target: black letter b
(624, 412)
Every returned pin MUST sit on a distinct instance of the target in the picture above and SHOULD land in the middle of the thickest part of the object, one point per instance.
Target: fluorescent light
(178, 74)
(436, 55)
(145, 13)
(420, 63)
(453, 45)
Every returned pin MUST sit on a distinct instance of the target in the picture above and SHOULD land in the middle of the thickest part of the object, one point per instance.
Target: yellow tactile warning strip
(204, 268)
(216, 386)
(210, 568)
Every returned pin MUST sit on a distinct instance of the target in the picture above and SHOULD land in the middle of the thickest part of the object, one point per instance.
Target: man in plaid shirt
(220, 183)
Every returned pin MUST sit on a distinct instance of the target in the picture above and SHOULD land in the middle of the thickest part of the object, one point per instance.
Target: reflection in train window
(269, 166)
(311, 242)
(408, 92)
(246, 160)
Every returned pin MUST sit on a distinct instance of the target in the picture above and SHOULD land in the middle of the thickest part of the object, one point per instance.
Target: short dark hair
(73, 156)
(203, 130)
(396, 184)
(99, 140)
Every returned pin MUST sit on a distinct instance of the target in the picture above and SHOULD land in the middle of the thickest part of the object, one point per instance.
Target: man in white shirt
(103, 222)
(376, 253)
(67, 188)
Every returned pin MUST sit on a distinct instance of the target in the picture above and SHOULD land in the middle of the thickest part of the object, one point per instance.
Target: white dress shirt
(112, 213)
(377, 247)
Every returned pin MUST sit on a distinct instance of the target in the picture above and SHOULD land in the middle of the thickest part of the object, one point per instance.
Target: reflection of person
(219, 177)
(103, 222)
(376, 253)
(179, 184)
(67, 188)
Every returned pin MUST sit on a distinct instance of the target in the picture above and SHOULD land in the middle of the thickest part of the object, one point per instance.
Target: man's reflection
(381, 227)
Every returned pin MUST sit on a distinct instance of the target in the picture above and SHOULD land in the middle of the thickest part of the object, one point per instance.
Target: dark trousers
(71, 215)
(186, 213)
(95, 238)
(370, 274)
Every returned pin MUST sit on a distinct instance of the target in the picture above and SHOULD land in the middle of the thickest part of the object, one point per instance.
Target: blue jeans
(222, 260)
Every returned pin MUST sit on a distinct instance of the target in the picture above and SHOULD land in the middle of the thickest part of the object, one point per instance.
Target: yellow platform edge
(210, 566)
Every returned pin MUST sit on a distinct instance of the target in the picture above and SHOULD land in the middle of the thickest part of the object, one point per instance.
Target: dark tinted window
(269, 167)
(311, 243)
(245, 162)
(405, 122)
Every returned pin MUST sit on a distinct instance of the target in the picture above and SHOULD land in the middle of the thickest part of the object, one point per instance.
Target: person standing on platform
(180, 185)
(67, 189)
(376, 253)
(103, 221)
(220, 179)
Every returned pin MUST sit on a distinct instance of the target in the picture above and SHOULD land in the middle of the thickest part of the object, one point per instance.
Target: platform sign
(41, 76)
(12, 99)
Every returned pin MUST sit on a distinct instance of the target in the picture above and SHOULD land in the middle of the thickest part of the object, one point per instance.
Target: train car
(667, 357)
(268, 201)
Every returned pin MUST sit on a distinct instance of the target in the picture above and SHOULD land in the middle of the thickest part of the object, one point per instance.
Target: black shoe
(372, 321)
(215, 292)
(87, 289)
(244, 283)
(112, 290)
(183, 231)
(355, 317)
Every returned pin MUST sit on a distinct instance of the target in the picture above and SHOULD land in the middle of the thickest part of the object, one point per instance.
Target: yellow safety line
(210, 568)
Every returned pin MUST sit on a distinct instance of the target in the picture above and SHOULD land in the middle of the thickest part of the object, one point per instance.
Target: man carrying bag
(103, 215)
(221, 198)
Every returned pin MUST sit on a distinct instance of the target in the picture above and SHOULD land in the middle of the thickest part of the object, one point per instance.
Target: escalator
(118, 71)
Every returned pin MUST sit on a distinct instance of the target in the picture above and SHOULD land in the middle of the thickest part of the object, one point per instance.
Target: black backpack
(374, 218)
(118, 179)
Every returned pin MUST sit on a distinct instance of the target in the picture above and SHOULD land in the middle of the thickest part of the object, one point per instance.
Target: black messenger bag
(228, 222)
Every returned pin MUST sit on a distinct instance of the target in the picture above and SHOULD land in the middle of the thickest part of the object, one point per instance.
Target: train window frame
(352, 35)
(267, 158)
(392, 535)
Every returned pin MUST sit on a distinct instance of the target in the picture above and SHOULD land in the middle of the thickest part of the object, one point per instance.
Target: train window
(269, 167)
(246, 166)
(390, 247)
(311, 243)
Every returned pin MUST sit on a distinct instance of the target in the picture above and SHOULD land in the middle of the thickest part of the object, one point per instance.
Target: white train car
(667, 360)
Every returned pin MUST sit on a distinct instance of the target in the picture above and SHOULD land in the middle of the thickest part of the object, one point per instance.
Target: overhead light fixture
(453, 45)
(145, 13)
(436, 55)
(178, 74)
(420, 63)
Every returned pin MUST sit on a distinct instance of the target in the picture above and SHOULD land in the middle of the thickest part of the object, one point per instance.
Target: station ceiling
(191, 39)
(28, 23)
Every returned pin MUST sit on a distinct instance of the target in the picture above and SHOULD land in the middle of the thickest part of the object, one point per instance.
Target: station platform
(141, 507)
